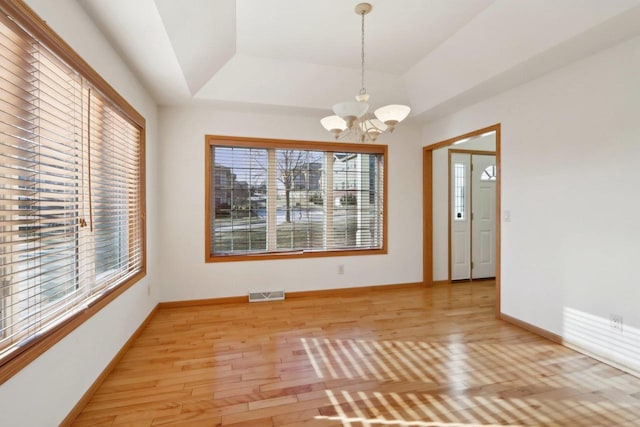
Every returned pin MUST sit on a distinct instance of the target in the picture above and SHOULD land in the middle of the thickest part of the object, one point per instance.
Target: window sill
(293, 254)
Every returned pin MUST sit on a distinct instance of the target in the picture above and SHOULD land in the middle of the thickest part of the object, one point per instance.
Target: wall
(43, 393)
(570, 148)
(185, 275)
(441, 200)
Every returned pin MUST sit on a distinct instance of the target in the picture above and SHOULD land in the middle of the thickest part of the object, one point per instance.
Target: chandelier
(353, 119)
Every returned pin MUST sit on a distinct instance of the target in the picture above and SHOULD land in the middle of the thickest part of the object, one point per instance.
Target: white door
(483, 217)
(460, 251)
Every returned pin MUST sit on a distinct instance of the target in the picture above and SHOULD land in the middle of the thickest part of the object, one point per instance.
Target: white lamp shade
(373, 126)
(351, 109)
(333, 123)
(392, 113)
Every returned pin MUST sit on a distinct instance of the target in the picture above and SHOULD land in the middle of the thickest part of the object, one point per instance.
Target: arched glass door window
(489, 174)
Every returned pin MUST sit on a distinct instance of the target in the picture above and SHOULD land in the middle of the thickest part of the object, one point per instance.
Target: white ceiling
(295, 55)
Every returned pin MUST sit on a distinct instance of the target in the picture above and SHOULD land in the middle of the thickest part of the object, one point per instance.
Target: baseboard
(441, 282)
(197, 302)
(103, 375)
(562, 341)
(290, 295)
(599, 358)
(531, 328)
(351, 291)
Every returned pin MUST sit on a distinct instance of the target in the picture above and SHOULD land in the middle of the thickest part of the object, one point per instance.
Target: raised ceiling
(298, 55)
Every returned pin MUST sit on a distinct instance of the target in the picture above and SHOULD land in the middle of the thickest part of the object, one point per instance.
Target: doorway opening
(443, 267)
(472, 215)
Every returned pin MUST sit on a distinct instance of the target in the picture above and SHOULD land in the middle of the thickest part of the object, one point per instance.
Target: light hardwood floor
(410, 356)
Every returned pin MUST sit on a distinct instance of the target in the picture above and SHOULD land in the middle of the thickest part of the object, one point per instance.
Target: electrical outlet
(341, 269)
(615, 321)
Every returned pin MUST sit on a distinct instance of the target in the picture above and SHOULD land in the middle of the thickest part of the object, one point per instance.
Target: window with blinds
(293, 198)
(71, 192)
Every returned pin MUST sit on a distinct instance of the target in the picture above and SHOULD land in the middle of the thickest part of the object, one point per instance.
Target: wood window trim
(32, 350)
(23, 15)
(233, 141)
(27, 18)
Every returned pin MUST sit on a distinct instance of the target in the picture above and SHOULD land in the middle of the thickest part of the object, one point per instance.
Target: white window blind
(279, 197)
(71, 192)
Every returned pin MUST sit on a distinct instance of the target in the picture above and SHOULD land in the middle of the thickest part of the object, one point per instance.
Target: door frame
(427, 206)
(471, 152)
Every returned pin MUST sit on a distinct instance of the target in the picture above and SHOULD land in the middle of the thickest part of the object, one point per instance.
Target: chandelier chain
(362, 90)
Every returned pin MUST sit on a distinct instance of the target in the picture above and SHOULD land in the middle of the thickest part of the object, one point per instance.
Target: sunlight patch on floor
(466, 384)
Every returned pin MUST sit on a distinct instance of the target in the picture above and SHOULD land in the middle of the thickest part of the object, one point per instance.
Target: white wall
(43, 393)
(570, 148)
(185, 275)
(440, 185)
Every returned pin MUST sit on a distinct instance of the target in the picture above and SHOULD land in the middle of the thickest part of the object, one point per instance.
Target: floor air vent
(266, 296)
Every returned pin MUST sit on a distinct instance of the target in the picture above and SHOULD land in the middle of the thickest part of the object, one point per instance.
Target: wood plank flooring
(394, 357)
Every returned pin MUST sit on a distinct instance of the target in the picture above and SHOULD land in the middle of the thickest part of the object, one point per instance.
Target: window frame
(460, 182)
(268, 143)
(29, 350)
